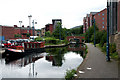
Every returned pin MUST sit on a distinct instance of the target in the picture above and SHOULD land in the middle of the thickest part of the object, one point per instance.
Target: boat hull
(13, 54)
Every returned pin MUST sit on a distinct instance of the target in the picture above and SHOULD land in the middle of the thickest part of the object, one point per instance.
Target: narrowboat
(26, 48)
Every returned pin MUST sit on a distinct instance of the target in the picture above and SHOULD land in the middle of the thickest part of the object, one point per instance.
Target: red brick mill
(9, 32)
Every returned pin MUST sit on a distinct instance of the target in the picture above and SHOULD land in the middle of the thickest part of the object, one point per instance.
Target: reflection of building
(56, 60)
(9, 32)
(55, 22)
(76, 47)
(49, 27)
(49, 58)
(114, 23)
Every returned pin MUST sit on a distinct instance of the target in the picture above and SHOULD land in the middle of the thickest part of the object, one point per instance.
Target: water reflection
(51, 63)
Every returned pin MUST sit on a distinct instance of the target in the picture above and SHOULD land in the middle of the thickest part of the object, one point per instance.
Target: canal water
(52, 63)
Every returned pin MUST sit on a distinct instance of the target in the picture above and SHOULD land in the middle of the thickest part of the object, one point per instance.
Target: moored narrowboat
(21, 49)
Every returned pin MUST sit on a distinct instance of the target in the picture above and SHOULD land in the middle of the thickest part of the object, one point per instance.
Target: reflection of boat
(21, 49)
(26, 60)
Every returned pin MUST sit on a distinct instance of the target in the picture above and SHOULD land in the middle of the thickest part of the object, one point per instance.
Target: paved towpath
(96, 66)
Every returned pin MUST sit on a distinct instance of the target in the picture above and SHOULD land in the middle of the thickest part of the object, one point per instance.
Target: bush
(103, 39)
(112, 48)
(52, 40)
(38, 39)
(104, 47)
(89, 33)
(70, 74)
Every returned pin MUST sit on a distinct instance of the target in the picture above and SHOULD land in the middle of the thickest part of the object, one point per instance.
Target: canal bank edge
(53, 46)
(81, 66)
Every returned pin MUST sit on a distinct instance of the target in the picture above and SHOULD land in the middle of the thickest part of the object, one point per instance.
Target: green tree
(48, 34)
(77, 31)
(17, 36)
(89, 33)
(28, 35)
(98, 36)
(59, 32)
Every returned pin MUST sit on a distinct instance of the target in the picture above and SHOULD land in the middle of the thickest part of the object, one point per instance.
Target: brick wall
(101, 19)
(49, 27)
(8, 32)
(87, 21)
(84, 25)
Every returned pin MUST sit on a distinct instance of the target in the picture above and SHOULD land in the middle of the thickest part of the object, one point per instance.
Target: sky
(43, 11)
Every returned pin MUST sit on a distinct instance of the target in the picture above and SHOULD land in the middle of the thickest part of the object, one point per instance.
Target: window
(102, 18)
(103, 14)
(99, 14)
(103, 27)
(103, 22)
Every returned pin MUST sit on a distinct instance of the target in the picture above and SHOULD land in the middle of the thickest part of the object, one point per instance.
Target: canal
(52, 63)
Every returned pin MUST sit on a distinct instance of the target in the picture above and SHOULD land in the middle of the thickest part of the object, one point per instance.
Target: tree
(59, 32)
(17, 36)
(47, 34)
(89, 33)
(77, 31)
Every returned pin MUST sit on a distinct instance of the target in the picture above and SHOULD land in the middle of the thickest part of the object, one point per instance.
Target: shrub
(52, 40)
(103, 39)
(70, 74)
(112, 48)
(38, 39)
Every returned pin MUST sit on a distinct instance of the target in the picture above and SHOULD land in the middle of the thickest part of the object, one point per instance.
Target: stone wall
(116, 39)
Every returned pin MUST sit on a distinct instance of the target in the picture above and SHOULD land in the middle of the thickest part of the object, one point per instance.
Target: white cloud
(43, 11)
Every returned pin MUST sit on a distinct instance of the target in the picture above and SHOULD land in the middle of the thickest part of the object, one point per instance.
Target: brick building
(49, 27)
(38, 32)
(87, 21)
(55, 22)
(42, 32)
(101, 19)
(92, 17)
(84, 25)
(9, 32)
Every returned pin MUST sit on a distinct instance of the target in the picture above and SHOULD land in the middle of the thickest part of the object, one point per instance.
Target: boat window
(37, 45)
(27, 45)
(34, 45)
(31, 45)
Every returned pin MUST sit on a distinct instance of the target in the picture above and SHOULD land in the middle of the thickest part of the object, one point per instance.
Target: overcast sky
(43, 11)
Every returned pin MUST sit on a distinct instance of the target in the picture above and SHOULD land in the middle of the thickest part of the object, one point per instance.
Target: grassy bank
(112, 50)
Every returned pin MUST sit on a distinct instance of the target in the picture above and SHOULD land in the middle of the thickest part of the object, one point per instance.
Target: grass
(86, 51)
(70, 74)
(113, 55)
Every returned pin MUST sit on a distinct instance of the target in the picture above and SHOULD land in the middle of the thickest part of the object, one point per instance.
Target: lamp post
(60, 30)
(107, 49)
(94, 33)
(33, 28)
(29, 22)
(20, 23)
(20, 26)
